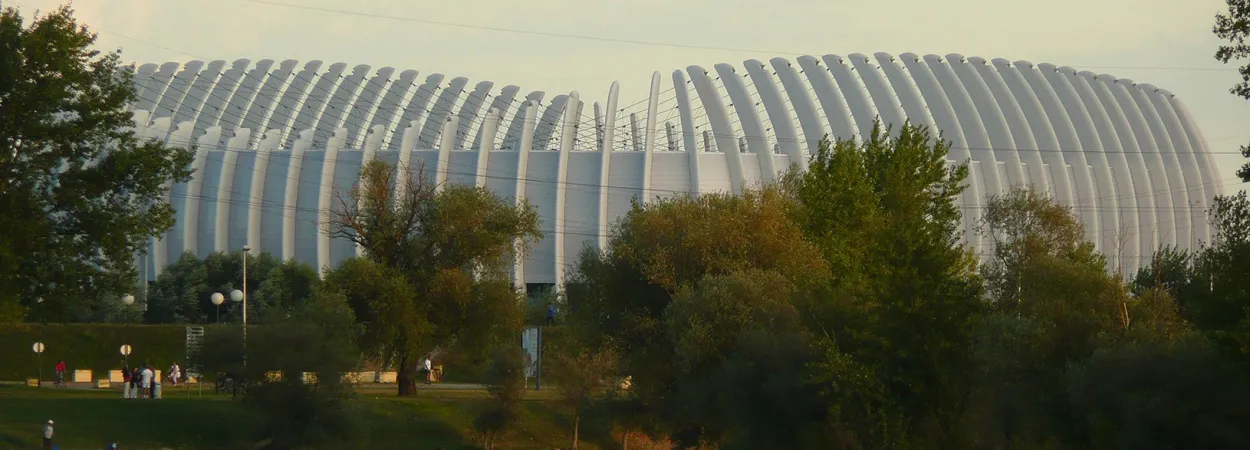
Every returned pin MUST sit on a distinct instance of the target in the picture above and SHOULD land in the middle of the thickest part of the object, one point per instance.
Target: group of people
(141, 382)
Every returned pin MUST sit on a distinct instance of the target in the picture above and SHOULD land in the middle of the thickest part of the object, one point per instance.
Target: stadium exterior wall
(276, 143)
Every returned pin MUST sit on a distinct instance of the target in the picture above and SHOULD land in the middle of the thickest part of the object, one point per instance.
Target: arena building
(276, 142)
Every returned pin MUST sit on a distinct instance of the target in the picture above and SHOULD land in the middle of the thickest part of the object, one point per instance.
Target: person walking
(551, 314)
(134, 382)
(47, 436)
(429, 370)
(126, 383)
(145, 380)
(60, 374)
(175, 374)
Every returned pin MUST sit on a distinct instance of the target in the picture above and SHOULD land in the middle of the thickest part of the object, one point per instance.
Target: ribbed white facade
(276, 142)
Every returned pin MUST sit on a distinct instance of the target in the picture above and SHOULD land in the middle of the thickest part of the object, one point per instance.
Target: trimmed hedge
(96, 347)
(87, 346)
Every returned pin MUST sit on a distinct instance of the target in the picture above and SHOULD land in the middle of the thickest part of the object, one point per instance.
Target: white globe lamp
(236, 295)
(218, 299)
(128, 299)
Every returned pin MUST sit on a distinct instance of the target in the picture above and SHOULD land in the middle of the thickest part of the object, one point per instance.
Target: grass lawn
(89, 419)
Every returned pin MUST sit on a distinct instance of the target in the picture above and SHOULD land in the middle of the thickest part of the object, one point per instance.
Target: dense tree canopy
(453, 245)
(1234, 27)
(80, 194)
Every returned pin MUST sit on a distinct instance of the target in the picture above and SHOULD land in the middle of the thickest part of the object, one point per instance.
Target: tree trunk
(406, 376)
(577, 421)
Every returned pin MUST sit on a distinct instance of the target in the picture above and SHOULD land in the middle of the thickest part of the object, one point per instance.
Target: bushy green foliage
(80, 194)
(452, 245)
(505, 380)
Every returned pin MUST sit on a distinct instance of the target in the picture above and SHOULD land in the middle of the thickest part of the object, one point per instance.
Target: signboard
(529, 342)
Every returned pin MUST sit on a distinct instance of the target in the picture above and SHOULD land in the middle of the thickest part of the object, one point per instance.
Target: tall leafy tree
(81, 194)
(1051, 297)
(1234, 27)
(626, 293)
(896, 324)
(454, 244)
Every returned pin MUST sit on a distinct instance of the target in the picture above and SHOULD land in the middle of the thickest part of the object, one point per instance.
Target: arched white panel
(215, 104)
(439, 112)
(1165, 201)
(605, 155)
(230, 194)
(155, 85)
(265, 97)
(528, 122)
(888, 106)
(778, 115)
(1197, 191)
(1024, 143)
(1091, 146)
(235, 109)
(1147, 212)
(831, 102)
(179, 88)
(721, 128)
(992, 119)
(501, 104)
(365, 103)
(336, 106)
(283, 116)
(804, 107)
(861, 109)
(749, 116)
(649, 147)
(1128, 237)
(469, 112)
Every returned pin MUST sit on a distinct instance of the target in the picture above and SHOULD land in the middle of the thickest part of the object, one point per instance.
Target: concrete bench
(360, 377)
(102, 383)
(115, 376)
(32, 382)
(388, 377)
(82, 376)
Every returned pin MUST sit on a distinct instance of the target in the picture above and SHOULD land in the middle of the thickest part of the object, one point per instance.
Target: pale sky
(1167, 43)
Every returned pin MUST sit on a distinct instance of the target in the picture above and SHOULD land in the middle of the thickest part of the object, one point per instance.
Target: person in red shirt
(60, 374)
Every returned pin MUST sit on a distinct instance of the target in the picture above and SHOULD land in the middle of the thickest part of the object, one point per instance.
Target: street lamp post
(218, 299)
(242, 295)
(127, 300)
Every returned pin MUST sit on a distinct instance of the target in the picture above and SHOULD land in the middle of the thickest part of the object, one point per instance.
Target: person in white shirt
(145, 379)
(47, 436)
(175, 373)
(429, 374)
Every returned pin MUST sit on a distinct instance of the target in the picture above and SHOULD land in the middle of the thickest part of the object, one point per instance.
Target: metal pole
(538, 371)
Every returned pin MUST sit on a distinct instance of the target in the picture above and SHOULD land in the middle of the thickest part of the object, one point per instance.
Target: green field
(89, 419)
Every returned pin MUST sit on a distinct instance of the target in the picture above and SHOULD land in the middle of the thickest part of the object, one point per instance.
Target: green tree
(80, 193)
(505, 381)
(304, 412)
(580, 374)
(896, 323)
(286, 287)
(183, 291)
(454, 245)
(741, 361)
(1234, 27)
(1051, 298)
(623, 294)
(1150, 395)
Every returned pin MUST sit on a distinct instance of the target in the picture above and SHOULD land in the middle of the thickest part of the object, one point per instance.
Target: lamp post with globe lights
(128, 300)
(218, 299)
(241, 296)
